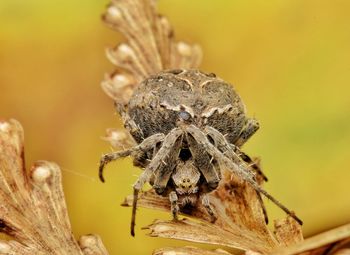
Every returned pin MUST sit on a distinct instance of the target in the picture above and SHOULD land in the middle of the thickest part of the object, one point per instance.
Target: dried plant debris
(189, 250)
(240, 220)
(332, 242)
(287, 238)
(33, 211)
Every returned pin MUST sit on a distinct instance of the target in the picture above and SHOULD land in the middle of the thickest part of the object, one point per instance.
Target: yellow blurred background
(289, 60)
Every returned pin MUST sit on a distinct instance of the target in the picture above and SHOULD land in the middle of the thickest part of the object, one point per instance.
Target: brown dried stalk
(33, 211)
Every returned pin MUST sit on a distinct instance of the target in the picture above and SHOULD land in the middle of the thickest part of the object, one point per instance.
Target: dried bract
(33, 211)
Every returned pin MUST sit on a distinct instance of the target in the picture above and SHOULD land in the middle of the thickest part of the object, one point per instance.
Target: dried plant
(33, 211)
(240, 220)
(151, 48)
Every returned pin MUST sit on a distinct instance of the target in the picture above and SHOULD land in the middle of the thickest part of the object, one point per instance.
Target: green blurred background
(289, 60)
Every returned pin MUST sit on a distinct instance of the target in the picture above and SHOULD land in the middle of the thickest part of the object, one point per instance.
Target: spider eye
(184, 115)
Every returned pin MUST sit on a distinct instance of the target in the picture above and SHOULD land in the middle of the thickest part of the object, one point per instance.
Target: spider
(189, 127)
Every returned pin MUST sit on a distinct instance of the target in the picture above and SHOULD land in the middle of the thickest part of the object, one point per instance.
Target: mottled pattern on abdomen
(198, 91)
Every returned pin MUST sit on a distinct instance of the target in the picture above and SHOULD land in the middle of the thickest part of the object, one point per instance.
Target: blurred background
(288, 59)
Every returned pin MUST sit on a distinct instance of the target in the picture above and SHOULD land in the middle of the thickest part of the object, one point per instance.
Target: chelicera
(189, 127)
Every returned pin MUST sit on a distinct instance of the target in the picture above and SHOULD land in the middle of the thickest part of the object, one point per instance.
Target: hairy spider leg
(163, 174)
(230, 151)
(147, 144)
(253, 164)
(251, 126)
(166, 147)
(173, 204)
(224, 147)
(234, 167)
(202, 162)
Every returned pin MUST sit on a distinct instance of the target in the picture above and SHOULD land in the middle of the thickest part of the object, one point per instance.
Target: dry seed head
(121, 80)
(87, 241)
(113, 14)
(118, 86)
(124, 52)
(184, 49)
(4, 126)
(41, 174)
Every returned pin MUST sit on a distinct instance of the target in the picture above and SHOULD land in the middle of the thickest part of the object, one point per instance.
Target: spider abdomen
(162, 100)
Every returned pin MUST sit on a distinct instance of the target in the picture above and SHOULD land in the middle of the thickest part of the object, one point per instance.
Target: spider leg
(251, 126)
(106, 158)
(173, 203)
(157, 160)
(206, 204)
(202, 161)
(225, 148)
(147, 144)
(231, 152)
(254, 164)
(163, 174)
(261, 202)
(236, 168)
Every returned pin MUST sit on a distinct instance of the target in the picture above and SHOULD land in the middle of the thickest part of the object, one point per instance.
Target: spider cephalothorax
(188, 126)
(185, 177)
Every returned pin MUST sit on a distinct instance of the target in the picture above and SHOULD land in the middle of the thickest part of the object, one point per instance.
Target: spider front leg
(251, 126)
(247, 176)
(158, 159)
(163, 174)
(203, 161)
(147, 144)
(173, 204)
